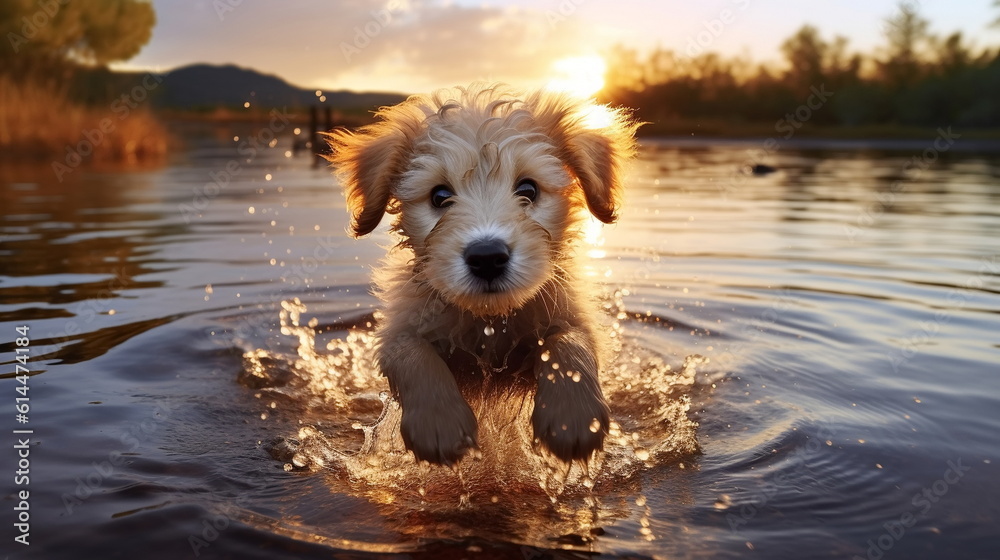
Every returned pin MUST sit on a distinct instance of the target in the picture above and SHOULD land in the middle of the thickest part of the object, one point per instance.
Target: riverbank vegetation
(915, 82)
(45, 44)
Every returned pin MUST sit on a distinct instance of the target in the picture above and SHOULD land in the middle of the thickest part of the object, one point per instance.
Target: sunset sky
(416, 45)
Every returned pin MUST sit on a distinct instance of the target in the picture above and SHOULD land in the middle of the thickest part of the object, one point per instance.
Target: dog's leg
(571, 416)
(437, 425)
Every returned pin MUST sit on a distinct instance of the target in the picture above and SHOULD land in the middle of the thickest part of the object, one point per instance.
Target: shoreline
(674, 134)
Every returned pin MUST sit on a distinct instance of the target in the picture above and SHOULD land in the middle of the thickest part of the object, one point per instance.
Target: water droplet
(641, 454)
(576, 376)
(640, 500)
(545, 354)
(488, 331)
(723, 502)
(595, 425)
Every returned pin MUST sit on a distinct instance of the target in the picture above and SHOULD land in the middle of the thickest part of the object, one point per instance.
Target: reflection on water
(800, 356)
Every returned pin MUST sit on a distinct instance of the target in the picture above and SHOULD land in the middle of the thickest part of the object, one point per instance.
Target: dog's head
(487, 185)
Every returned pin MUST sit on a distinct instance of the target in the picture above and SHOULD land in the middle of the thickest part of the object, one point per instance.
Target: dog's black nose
(487, 259)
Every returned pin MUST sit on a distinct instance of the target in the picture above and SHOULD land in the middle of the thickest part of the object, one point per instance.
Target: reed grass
(38, 122)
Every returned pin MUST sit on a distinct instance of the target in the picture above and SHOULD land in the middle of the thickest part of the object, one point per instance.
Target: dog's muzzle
(487, 258)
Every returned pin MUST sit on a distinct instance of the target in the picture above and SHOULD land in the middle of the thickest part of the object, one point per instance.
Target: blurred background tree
(42, 38)
(907, 37)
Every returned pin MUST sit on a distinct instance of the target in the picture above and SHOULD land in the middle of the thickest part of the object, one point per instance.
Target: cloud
(408, 45)
(446, 42)
(438, 45)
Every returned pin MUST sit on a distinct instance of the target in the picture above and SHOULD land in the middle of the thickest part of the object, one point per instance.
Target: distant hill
(205, 87)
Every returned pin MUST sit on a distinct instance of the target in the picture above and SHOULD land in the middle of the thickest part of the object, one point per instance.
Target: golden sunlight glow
(593, 236)
(596, 117)
(593, 232)
(582, 76)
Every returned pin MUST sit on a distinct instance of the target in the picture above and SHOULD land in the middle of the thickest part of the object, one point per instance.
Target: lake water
(808, 366)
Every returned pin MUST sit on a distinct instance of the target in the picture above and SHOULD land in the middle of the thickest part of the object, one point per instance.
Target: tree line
(914, 79)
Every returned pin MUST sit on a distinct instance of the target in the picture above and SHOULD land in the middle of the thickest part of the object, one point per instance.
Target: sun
(582, 76)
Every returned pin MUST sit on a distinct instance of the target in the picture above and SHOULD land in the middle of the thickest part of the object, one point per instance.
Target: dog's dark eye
(527, 188)
(441, 196)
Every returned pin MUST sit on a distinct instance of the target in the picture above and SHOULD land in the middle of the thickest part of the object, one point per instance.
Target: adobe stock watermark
(364, 34)
(799, 459)
(753, 329)
(31, 25)
(699, 43)
(88, 485)
(122, 107)
(895, 528)
(86, 313)
(220, 179)
(786, 126)
(299, 275)
(225, 7)
(912, 169)
(957, 299)
(563, 11)
(228, 514)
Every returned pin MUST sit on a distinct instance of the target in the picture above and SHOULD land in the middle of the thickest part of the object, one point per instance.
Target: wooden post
(328, 118)
(314, 134)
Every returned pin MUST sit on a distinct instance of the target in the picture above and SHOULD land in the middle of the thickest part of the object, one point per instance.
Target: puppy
(489, 191)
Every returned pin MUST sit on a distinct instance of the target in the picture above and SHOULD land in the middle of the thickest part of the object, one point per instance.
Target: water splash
(349, 425)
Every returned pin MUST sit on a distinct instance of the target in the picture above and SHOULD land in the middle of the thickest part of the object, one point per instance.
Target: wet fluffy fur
(443, 326)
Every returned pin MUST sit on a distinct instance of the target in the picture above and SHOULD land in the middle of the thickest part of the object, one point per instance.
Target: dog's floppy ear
(594, 141)
(369, 162)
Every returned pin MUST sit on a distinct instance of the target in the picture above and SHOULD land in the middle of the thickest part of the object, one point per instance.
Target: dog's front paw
(571, 425)
(439, 431)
